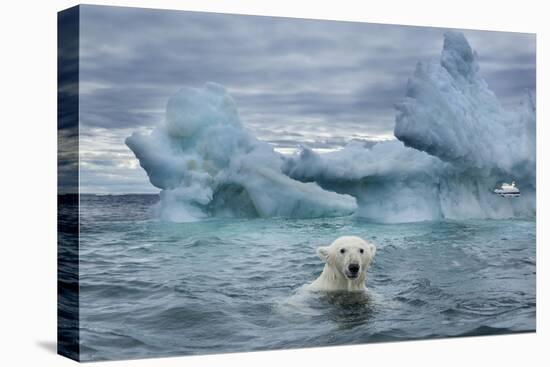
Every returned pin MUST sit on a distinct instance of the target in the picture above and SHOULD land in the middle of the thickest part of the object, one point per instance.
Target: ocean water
(150, 288)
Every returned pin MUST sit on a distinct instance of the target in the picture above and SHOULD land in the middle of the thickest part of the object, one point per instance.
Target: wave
(454, 143)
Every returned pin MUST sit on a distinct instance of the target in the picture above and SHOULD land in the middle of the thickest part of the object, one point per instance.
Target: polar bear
(347, 260)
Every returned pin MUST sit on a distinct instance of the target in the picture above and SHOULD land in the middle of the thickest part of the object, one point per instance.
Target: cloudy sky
(295, 81)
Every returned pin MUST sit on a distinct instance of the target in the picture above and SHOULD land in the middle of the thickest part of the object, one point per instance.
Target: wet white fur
(333, 277)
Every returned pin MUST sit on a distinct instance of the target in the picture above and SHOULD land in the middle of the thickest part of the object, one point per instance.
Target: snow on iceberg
(206, 163)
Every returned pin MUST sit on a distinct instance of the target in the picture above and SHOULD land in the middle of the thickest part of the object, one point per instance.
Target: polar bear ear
(372, 249)
(323, 253)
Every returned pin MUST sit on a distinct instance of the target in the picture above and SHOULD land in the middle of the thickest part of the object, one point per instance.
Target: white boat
(508, 190)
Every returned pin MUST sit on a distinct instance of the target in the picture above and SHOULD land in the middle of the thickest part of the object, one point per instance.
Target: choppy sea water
(150, 288)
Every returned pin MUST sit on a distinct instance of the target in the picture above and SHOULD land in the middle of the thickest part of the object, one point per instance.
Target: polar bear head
(349, 255)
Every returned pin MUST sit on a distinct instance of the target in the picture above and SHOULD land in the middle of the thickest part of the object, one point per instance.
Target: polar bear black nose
(353, 268)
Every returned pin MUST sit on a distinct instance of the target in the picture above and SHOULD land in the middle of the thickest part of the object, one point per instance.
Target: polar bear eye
(342, 250)
(361, 250)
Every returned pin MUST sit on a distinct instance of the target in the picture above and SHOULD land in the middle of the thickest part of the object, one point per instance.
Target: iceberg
(207, 164)
(449, 112)
(454, 142)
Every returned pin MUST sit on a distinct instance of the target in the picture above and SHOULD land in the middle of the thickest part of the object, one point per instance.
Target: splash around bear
(347, 260)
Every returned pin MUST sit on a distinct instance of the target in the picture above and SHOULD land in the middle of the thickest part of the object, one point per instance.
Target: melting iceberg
(455, 142)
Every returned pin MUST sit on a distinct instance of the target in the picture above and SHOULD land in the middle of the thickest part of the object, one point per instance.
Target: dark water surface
(150, 288)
